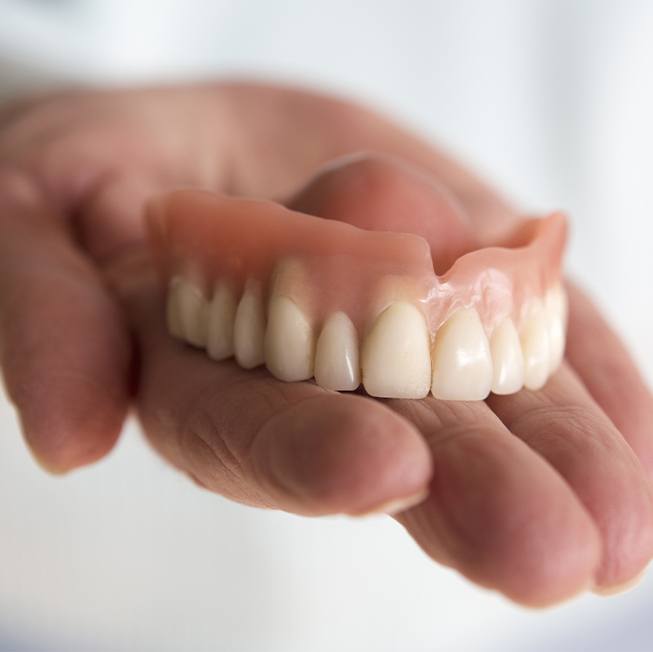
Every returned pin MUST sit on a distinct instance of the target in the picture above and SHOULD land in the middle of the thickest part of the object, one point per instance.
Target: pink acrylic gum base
(326, 266)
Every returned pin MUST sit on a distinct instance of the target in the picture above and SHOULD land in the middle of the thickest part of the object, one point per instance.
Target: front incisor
(462, 364)
(395, 356)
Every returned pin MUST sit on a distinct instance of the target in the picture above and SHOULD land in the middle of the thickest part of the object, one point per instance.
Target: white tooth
(556, 311)
(535, 347)
(289, 341)
(222, 314)
(249, 327)
(193, 309)
(462, 363)
(395, 356)
(507, 359)
(173, 308)
(336, 354)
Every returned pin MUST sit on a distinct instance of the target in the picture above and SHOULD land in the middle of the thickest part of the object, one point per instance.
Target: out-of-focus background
(553, 101)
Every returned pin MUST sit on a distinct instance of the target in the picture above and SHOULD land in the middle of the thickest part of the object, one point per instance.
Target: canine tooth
(336, 354)
(249, 327)
(556, 311)
(173, 308)
(222, 314)
(289, 341)
(395, 356)
(507, 359)
(193, 313)
(535, 348)
(462, 363)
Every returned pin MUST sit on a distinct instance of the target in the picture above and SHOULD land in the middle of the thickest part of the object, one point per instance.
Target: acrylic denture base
(316, 298)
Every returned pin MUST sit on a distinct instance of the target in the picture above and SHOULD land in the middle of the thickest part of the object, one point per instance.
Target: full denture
(310, 297)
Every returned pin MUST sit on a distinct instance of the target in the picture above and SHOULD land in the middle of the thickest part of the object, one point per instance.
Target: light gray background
(553, 101)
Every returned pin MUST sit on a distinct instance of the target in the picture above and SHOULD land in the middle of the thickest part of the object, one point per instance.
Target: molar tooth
(336, 354)
(535, 347)
(556, 311)
(249, 327)
(507, 359)
(395, 356)
(462, 364)
(222, 314)
(193, 316)
(289, 341)
(173, 308)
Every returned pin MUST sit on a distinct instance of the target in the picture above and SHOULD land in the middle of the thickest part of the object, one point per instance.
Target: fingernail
(606, 591)
(45, 465)
(397, 505)
(28, 428)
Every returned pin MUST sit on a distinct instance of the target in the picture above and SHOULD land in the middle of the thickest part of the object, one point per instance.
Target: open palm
(537, 495)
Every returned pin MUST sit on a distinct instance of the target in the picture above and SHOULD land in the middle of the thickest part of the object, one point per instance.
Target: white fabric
(554, 102)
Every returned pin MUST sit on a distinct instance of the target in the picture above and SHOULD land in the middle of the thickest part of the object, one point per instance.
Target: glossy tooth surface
(336, 354)
(395, 355)
(222, 314)
(289, 341)
(462, 363)
(507, 359)
(556, 314)
(173, 308)
(249, 327)
(535, 348)
(193, 313)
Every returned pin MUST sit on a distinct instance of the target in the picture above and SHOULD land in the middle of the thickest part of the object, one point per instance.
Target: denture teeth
(249, 327)
(289, 341)
(462, 364)
(535, 347)
(395, 355)
(173, 308)
(193, 309)
(507, 359)
(336, 354)
(556, 314)
(221, 317)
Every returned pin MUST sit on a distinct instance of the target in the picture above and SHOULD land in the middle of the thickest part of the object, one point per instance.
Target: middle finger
(497, 511)
(564, 425)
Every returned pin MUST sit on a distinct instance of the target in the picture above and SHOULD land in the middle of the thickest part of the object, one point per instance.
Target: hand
(537, 495)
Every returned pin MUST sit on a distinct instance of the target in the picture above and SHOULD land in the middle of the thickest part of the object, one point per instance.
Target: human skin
(538, 495)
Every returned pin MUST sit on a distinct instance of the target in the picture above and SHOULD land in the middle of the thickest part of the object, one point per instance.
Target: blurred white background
(553, 101)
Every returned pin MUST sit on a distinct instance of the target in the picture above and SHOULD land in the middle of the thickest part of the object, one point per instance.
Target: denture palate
(315, 298)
